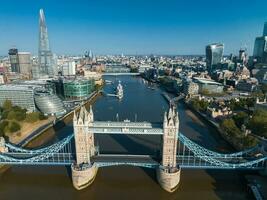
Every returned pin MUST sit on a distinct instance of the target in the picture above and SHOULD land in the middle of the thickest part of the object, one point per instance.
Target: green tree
(240, 118)
(195, 104)
(249, 142)
(3, 125)
(32, 117)
(258, 123)
(13, 126)
(250, 102)
(42, 116)
(264, 89)
(229, 126)
(11, 115)
(20, 116)
(5, 114)
(7, 105)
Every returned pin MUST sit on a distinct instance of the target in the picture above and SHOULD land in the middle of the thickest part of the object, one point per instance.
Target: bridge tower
(168, 173)
(83, 171)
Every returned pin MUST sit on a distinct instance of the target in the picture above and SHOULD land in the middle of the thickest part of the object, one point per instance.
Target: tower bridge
(178, 152)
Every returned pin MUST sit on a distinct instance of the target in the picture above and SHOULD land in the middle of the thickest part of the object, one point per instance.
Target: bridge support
(264, 152)
(83, 171)
(168, 173)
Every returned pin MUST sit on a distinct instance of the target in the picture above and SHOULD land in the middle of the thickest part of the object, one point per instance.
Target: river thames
(142, 104)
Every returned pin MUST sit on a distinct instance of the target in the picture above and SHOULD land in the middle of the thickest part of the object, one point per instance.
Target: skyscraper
(214, 54)
(14, 60)
(45, 55)
(25, 63)
(265, 29)
(260, 47)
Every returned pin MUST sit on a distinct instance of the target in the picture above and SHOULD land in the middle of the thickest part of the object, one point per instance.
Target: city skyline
(176, 28)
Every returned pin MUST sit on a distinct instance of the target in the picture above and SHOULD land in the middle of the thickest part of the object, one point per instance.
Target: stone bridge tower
(83, 171)
(168, 173)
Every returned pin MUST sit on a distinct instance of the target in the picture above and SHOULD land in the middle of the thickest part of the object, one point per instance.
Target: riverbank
(42, 132)
(214, 125)
(28, 129)
(49, 132)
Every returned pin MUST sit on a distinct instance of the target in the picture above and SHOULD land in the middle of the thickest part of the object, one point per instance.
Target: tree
(264, 89)
(13, 126)
(7, 105)
(42, 116)
(3, 125)
(20, 116)
(240, 118)
(32, 117)
(258, 123)
(229, 126)
(249, 142)
(11, 115)
(250, 102)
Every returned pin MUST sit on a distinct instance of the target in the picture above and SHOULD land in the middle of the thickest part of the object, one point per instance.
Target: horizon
(134, 27)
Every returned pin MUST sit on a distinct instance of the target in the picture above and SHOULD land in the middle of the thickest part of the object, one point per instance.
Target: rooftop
(207, 81)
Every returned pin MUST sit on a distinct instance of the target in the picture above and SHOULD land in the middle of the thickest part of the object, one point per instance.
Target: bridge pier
(168, 179)
(83, 176)
(83, 171)
(168, 173)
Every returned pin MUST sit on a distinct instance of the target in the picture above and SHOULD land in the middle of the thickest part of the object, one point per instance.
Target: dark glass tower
(45, 54)
(214, 54)
(260, 47)
(265, 29)
(14, 60)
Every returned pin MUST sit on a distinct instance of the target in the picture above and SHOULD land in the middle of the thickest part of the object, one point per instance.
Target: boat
(119, 91)
(108, 81)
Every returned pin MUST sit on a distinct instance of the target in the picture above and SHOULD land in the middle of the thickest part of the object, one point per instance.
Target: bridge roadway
(126, 127)
(120, 74)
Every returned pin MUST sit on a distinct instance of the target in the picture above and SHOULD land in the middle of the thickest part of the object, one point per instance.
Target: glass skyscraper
(265, 29)
(214, 54)
(45, 55)
(260, 47)
(14, 60)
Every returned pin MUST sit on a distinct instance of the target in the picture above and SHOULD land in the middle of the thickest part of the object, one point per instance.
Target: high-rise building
(265, 29)
(14, 60)
(19, 95)
(45, 54)
(25, 63)
(260, 47)
(69, 68)
(214, 54)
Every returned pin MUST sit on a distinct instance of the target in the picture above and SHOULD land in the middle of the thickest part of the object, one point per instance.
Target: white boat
(108, 81)
(119, 91)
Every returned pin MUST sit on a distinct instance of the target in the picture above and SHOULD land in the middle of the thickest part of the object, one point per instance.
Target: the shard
(45, 55)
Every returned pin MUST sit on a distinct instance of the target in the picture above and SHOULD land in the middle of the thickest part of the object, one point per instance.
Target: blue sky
(132, 26)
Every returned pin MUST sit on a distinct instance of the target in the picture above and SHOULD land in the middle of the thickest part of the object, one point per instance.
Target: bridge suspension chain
(37, 151)
(49, 153)
(187, 141)
(217, 161)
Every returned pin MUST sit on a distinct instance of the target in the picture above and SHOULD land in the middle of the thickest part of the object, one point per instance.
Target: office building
(46, 65)
(260, 47)
(19, 95)
(49, 103)
(25, 63)
(14, 60)
(69, 68)
(78, 89)
(208, 86)
(214, 54)
(265, 29)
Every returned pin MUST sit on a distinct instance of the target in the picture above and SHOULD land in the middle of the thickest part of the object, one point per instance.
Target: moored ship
(119, 91)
